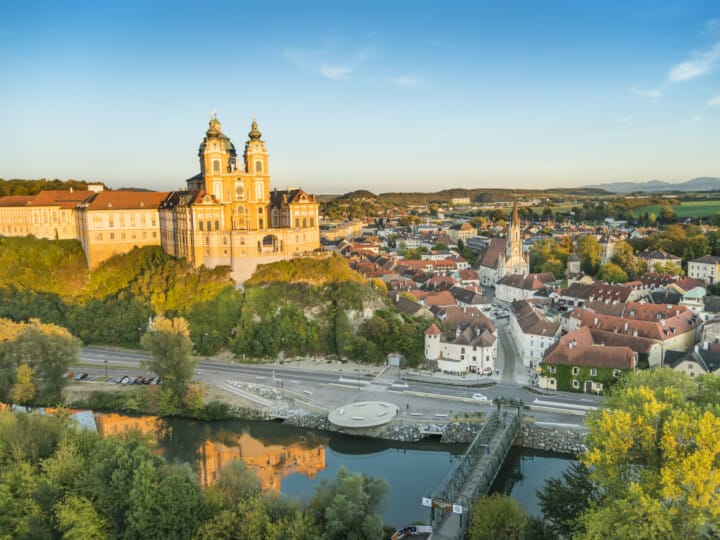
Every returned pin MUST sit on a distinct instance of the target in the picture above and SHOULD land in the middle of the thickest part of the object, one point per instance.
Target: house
(577, 364)
(461, 231)
(697, 361)
(469, 350)
(532, 332)
(705, 268)
(517, 287)
(674, 327)
(653, 258)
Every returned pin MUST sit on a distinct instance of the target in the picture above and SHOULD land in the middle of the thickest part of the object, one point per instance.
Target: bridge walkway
(474, 473)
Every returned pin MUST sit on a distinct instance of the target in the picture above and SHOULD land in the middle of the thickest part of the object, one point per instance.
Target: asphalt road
(424, 395)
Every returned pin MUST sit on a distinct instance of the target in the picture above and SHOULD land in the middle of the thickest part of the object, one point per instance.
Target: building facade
(228, 216)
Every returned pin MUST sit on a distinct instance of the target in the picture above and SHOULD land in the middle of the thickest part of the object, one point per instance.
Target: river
(293, 460)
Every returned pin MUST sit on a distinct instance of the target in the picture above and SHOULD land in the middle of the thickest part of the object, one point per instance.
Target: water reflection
(271, 455)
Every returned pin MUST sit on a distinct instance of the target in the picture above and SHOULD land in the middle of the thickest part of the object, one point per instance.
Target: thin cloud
(714, 101)
(646, 92)
(624, 120)
(701, 63)
(405, 80)
(335, 73)
(326, 64)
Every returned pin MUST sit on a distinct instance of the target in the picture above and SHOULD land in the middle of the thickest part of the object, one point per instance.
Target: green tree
(496, 517)
(24, 389)
(563, 499)
(347, 508)
(589, 250)
(612, 273)
(625, 258)
(78, 520)
(168, 341)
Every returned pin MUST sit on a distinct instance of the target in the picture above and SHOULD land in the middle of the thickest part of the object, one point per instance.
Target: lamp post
(106, 369)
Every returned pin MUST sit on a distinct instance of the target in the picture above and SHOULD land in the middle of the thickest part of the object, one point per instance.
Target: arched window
(258, 167)
(275, 217)
(217, 191)
(259, 191)
(216, 166)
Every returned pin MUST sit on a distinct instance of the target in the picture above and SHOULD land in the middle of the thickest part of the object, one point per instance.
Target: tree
(496, 517)
(48, 350)
(24, 390)
(652, 453)
(624, 257)
(563, 499)
(347, 508)
(589, 250)
(168, 341)
(78, 520)
(612, 273)
(667, 214)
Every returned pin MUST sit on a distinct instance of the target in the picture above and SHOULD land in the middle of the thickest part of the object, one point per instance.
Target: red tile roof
(126, 200)
(61, 198)
(16, 200)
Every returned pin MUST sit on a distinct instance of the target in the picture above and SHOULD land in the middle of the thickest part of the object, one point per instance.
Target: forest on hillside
(304, 306)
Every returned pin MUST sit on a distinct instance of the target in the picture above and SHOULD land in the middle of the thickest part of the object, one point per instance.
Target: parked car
(480, 397)
(81, 376)
(125, 380)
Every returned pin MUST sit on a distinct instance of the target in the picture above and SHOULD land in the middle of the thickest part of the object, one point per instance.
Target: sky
(386, 95)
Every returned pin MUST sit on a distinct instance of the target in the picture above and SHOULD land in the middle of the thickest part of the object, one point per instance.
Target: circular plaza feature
(363, 414)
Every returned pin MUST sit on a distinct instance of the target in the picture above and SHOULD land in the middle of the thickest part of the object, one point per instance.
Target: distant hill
(703, 183)
(485, 195)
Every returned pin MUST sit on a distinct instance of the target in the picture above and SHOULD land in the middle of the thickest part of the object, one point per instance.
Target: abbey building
(227, 216)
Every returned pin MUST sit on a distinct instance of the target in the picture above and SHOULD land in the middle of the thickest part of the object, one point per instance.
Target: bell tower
(217, 158)
(256, 165)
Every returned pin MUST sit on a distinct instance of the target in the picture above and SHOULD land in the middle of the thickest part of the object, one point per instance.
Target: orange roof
(433, 330)
(16, 200)
(126, 200)
(61, 198)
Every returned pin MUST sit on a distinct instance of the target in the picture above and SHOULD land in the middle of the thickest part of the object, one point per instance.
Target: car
(81, 376)
(480, 397)
(125, 380)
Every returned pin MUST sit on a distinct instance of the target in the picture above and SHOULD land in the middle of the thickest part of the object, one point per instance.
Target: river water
(293, 460)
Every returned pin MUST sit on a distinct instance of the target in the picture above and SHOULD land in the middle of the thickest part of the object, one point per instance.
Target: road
(422, 396)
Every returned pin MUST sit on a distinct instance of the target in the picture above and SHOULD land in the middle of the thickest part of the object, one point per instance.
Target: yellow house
(113, 222)
(228, 216)
(49, 214)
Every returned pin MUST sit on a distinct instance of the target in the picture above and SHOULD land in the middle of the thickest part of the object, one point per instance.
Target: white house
(532, 332)
(514, 287)
(706, 268)
(472, 350)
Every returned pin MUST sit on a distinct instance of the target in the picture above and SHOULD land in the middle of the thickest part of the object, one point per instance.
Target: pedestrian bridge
(475, 472)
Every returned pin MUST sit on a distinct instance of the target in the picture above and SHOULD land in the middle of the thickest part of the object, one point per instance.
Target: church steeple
(514, 242)
(254, 134)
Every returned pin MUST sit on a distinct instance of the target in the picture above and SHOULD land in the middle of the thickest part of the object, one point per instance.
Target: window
(576, 384)
(209, 226)
(200, 225)
(575, 370)
(217, 191)
(217, 225)
(112, 236)
(593, 372)
(111, 223)
(297, 223)
(304, 223)
(312, 221)
(617, 373)
(258, 166)
(259, 191)
(216, 166)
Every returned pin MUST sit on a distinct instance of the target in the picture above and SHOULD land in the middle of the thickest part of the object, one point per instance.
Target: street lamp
(106, 371)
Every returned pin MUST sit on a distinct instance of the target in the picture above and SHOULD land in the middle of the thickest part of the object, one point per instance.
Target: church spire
(515, 218)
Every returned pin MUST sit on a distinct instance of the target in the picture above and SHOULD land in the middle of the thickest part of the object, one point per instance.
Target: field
(691, 209)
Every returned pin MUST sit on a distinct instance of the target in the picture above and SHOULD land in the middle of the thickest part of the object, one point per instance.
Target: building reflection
(271, 462)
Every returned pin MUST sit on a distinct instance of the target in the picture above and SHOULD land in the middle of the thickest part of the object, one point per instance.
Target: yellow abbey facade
(228, 216)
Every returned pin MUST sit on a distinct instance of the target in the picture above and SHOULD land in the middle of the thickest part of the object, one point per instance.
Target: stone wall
(562, 441)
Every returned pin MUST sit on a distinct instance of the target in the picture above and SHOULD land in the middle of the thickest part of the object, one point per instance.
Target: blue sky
(378, 95)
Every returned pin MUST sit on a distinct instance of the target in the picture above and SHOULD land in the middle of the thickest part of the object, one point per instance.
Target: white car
(480, 397)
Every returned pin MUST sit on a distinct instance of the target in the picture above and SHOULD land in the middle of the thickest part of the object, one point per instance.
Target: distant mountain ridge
(702, 183)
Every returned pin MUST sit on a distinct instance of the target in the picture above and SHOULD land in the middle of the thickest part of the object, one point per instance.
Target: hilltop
(702, 183)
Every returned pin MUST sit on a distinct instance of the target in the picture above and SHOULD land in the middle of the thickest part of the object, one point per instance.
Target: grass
(691, 209)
